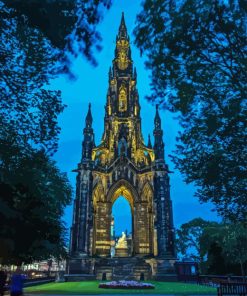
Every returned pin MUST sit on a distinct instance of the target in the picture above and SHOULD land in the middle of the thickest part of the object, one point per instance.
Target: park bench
(239, 289)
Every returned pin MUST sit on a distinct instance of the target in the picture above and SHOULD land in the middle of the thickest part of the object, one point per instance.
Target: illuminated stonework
(122, 58)
(122, 165)
(122, 98)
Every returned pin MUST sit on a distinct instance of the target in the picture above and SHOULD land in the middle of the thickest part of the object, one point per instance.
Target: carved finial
(89, 118)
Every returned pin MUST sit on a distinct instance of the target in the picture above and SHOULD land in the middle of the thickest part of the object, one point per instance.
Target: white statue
(122, 242)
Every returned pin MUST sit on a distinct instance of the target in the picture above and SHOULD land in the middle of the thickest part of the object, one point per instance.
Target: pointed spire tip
(122, 17)
(122, 33)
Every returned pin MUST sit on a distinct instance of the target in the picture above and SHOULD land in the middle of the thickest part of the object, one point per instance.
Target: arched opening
(103, 226)
(121, 228)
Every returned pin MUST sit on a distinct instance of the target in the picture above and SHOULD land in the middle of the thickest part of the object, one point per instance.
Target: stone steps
(123, 268)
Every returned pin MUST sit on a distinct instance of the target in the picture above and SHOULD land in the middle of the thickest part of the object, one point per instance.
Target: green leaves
(217, 247)
(198, 63)
(38, 40)
(189, 236)
(34, 196)
(232, 241)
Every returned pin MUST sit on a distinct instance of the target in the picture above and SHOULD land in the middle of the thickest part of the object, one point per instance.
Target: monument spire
(88, 141)
(158, 137)
(122, 31)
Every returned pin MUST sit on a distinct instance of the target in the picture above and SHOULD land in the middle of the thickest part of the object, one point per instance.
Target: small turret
(157, 120)
(110, 74)
(88, 141)
(158, 137)
(89, 118)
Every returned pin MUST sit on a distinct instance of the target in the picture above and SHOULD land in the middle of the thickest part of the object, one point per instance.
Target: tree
(28, 110)
(217, 247)
(225, 242)
(70, 25)
(38, 40)
(196, 51)
(235, 245)
(33, 197)
(189, 239)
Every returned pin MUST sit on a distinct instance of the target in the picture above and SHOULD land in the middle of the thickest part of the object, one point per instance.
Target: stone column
(142, 223)
(162, 198)
(102, 228)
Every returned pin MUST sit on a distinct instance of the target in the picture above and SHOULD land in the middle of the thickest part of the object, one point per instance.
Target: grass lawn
(91, 287)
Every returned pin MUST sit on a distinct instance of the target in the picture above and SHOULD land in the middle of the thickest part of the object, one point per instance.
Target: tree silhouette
(196, 51)
(38, 41)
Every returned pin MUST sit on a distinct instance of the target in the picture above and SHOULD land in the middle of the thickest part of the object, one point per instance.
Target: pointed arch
(124, 188)
(147, 192)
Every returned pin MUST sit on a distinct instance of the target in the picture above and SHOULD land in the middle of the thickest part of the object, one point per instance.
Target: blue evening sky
(91, 86)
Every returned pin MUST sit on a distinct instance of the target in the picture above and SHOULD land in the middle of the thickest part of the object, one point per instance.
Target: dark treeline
(38, 41)
(196, 52)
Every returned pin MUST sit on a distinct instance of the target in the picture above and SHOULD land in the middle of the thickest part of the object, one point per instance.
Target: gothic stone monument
(122, 165)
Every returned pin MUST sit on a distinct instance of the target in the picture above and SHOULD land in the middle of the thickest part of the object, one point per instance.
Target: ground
(91, 287)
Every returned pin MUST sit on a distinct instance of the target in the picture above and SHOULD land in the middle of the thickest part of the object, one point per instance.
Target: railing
(207, 279)
(216, 280)
(239, 289)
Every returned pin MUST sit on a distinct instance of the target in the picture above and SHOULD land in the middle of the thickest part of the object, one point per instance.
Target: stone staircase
(79, 269)
(123, 272)
(127, 268)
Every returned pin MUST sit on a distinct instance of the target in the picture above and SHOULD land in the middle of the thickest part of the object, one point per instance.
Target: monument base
(80, 267)
(121, 268)
(121, 252)
(163, 268)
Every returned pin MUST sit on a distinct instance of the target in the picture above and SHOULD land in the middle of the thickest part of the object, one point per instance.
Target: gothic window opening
(122, 147)
(121, 227)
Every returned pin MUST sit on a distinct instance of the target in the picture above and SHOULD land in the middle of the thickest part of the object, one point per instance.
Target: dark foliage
(38, 40)
(33, 195)
(196, 52)
(189, 239)
(218, 248)
(230, 242)
(70, 25)
(28, 109)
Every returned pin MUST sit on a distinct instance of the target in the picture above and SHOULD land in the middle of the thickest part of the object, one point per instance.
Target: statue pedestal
(121, 252)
